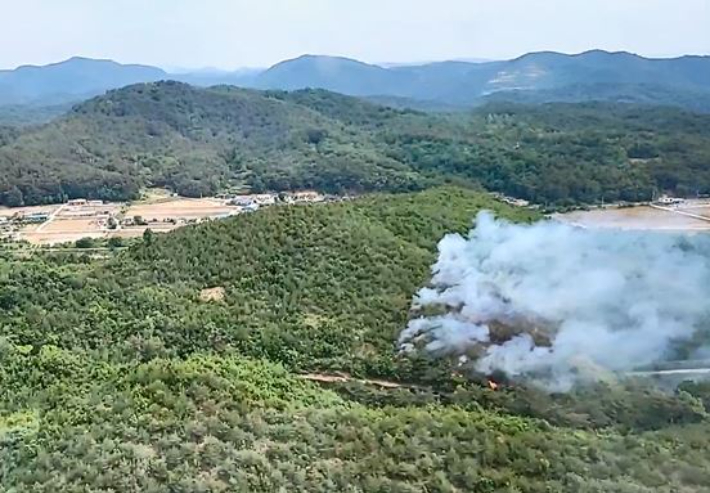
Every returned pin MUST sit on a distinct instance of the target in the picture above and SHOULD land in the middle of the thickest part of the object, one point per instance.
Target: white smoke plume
(614, 299)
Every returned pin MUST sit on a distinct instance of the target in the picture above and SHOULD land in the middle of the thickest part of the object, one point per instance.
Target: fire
(492, 385)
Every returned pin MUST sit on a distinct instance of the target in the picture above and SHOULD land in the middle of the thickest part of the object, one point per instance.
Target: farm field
(71, 222)
(642, 218)
(63, 230)
(180, 208)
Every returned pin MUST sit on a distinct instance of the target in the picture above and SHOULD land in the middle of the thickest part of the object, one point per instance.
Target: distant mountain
(71, 80)
(204, 78)
(589, 76)
(553, 70)
(532, 78)
(335, 74)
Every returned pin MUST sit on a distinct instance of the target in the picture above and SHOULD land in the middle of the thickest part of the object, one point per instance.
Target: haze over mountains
(535, 77)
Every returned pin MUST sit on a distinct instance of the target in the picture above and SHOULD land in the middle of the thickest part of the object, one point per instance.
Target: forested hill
(120, 376)
(201, 141)
(196, 141)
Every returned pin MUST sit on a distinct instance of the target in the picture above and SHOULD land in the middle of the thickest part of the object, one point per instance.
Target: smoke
(536, 300)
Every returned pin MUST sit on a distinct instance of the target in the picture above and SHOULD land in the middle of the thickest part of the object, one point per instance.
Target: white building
(242, 200)
(264, 198)
(666, 200)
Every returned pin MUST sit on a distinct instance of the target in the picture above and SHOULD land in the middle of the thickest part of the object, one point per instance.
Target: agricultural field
(180, 209)
(158, 211)
(686, 217)
(63, 230)
(69, 223)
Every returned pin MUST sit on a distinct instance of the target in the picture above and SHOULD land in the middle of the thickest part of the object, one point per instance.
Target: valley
(159, 212)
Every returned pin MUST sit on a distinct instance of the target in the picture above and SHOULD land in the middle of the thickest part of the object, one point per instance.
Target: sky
(229, 34)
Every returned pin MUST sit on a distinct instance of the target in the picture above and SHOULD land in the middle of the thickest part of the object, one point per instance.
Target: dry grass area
(636, 218)
(78, 226)
(104, 210)
(63, 230)
(179, 208)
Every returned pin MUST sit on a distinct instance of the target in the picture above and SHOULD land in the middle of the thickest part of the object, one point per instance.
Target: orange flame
(492, 385)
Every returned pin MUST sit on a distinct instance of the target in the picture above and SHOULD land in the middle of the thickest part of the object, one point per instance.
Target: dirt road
(344, 378)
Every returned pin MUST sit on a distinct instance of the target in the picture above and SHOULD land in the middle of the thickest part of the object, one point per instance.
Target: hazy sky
(235, 33)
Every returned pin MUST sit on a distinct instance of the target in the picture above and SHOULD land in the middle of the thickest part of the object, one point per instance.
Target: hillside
(27, 114)
(197, 141)
(116, 375)
(648, 94)
(202, 141)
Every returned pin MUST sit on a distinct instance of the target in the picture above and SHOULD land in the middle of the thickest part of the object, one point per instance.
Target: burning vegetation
(556, 304)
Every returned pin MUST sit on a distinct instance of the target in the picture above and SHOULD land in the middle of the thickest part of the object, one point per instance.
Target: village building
(307, 196)
(265, 198)
(241, 200)
(667, 200)
(35, 217)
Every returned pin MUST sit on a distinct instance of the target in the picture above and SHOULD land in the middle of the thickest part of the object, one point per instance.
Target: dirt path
(344, 378)
(681, 212)
(51, 218)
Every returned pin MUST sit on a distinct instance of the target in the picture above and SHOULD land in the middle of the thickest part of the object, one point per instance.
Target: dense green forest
(118, 376)
(23, 115)
(201, 141)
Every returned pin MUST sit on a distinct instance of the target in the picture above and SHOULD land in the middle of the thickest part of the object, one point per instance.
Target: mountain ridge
(435, 84)
(70, 80)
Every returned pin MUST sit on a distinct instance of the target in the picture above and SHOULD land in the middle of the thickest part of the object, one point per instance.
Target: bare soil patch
(212, 294)
(344, 378)
(180, 208)
(635, 218)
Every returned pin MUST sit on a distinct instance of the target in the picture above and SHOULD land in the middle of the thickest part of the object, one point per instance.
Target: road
(51, 218)
(344, 378)
(680, 212)
(660, 373)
